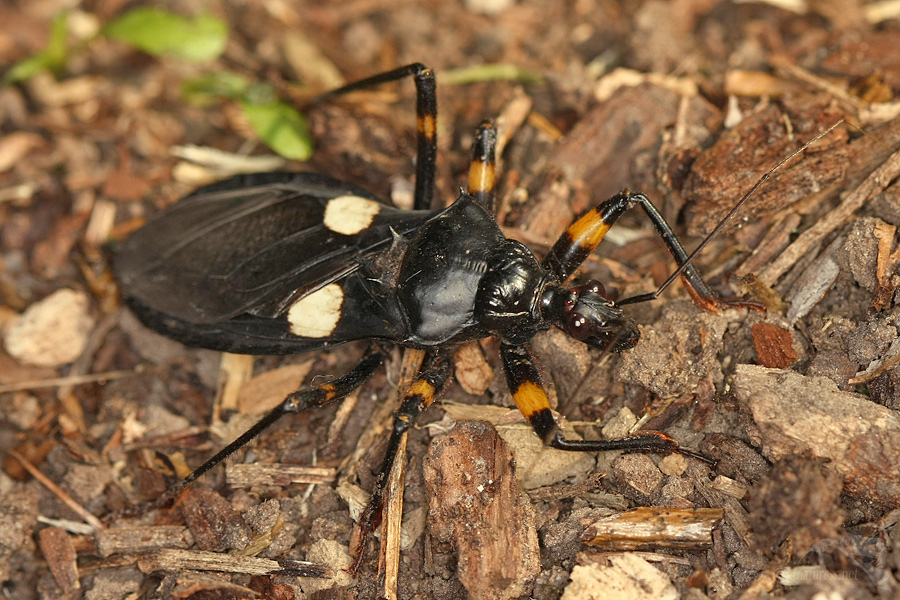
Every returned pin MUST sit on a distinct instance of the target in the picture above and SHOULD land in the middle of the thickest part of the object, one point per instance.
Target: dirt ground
(690, 101)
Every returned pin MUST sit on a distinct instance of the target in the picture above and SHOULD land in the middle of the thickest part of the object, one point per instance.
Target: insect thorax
(462, 279)
(509, 298)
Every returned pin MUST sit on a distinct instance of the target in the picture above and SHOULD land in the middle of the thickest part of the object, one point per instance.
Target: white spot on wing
(348, 215)
(317, 315)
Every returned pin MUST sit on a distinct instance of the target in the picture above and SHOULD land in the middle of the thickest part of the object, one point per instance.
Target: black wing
(250, 245)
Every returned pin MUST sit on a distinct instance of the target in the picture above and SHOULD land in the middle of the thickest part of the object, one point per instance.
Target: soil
(691, 101)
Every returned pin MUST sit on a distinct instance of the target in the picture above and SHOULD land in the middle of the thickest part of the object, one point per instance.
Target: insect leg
(482, 168)
(525, 384)
(583, 236)
(319, 396)
(426, 123)
(428, 387)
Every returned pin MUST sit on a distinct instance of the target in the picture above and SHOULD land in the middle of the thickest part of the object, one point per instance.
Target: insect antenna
(712, 234)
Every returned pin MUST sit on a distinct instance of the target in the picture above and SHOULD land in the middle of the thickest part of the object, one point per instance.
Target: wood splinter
(686, 528)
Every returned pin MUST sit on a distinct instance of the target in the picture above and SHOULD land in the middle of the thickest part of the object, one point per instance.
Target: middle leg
(483, 166)
(428, 387)
(527, 389)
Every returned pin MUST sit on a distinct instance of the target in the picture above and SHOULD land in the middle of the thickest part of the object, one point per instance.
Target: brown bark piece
(629, 124)
(471, 370)
(773, 346)
(877, 53)
(724, 173)
(18, 520)
(811, 416)
(874, 183)
(674, 355)
(475, 505)
(736, 459)
(59, 552)
(215, 525)
(799, 499)
(861, 250)
(637, 477)
(885, 265)
(652, 527)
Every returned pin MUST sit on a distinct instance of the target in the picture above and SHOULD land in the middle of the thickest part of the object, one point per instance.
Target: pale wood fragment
(655, 527)
(171, 559)
(250, 474)
(119, 540)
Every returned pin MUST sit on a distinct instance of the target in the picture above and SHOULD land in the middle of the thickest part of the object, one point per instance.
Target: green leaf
(281, 127)
(52, 57)
(157, 31)
(210, 88)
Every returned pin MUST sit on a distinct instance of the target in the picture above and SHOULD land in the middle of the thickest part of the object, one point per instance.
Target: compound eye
(577, 326)
(595, 287)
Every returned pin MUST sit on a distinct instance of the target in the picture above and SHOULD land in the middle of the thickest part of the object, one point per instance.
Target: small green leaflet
(52, 57)
(157, 32)
(281, 127)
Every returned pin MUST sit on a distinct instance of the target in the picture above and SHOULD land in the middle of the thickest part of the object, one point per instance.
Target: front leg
(586, 233)
(527, 390)
(426, 122)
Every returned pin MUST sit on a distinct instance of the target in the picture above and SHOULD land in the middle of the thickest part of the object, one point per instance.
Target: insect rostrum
(281, 263)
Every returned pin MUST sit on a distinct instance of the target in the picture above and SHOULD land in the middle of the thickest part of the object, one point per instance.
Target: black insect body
(292, 262)
(257, 264)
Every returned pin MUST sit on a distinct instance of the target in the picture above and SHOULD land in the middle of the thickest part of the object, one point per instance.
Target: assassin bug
(282, 263)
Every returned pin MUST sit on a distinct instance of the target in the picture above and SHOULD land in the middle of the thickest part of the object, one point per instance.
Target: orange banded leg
(299, 401)
(483, 167)
(527, 390)
(583, 236)
(698, 290)
(426, 123)
(428, 387)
